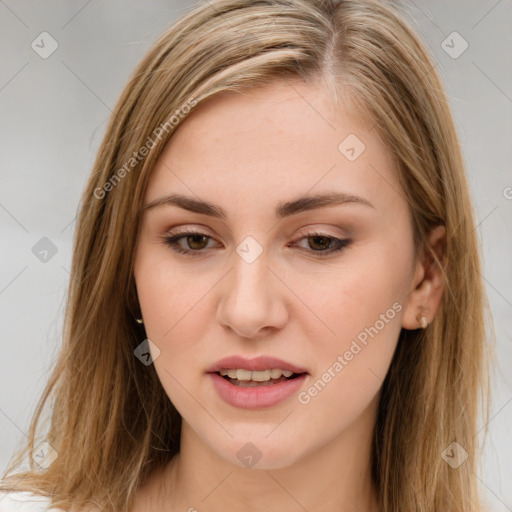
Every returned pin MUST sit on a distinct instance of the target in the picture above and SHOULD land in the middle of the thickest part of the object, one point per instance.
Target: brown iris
(322, 241)
(194, 240)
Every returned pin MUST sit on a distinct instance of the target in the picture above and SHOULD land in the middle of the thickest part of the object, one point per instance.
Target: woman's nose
(253, 298)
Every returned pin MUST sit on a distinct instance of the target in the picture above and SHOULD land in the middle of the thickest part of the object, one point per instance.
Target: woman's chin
(259, 454)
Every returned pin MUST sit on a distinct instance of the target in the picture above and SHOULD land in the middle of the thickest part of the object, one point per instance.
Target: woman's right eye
(195, 241)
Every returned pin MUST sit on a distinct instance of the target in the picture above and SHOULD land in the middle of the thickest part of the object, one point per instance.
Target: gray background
(53, 115)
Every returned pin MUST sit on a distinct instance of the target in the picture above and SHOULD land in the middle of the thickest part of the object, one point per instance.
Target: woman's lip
(256, 397)
(257, 363)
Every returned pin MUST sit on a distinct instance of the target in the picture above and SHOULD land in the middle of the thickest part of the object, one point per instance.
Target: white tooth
(257, 375)
(260, 375)
(243, 374)
(275, 373)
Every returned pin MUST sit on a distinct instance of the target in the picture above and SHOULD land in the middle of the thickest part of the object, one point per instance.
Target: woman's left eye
(318, 243)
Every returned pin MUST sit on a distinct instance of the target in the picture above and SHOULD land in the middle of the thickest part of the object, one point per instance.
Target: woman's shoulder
(24, 501)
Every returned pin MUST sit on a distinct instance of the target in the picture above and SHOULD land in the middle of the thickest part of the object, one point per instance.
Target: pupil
(316, 239)
(193, 239)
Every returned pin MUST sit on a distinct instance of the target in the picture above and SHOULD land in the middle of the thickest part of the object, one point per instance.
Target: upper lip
(257, 363)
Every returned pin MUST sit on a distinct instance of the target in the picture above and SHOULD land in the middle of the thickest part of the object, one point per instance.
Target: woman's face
(265, 275)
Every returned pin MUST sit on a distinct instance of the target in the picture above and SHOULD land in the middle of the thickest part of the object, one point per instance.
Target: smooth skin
(246, 154)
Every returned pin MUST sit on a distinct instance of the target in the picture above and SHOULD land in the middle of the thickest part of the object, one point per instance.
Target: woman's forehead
(280, 141)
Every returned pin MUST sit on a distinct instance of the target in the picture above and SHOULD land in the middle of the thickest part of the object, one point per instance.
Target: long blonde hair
(111, 423)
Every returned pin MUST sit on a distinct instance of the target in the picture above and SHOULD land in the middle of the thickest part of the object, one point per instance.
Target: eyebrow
(302, 204)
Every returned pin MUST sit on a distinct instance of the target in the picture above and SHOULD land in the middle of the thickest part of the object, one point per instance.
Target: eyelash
(172, 242)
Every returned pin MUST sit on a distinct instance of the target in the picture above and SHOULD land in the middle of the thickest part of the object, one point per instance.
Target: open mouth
(256, 389)
(244, 383)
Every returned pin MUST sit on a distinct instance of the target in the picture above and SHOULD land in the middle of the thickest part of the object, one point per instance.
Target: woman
(276, 301)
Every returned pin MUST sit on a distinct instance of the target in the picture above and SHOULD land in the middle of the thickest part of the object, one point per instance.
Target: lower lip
(256, 397)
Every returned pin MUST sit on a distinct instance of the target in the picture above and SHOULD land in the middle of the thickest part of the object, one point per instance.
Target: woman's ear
(428, 282)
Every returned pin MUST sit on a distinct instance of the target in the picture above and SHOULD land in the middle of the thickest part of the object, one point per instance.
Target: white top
(24, 501)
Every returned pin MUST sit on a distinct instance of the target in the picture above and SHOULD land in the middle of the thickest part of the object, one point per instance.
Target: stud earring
(139, 320)
(422, 320)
